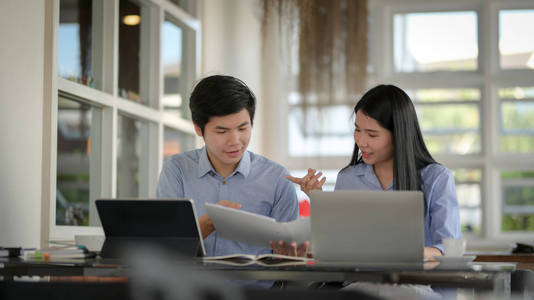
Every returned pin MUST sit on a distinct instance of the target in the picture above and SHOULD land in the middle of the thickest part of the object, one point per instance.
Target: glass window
(172, 64)
(517, 119)
(468, 193)
(435, 41)
(133, 51)
(129, 156)
(175, 141)
(75, 59)
(518, 200)
(73, 161)
(449, 119)
(516, 45)
(321, 130)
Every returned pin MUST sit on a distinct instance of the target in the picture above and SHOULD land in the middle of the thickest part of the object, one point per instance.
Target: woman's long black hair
(393, 109)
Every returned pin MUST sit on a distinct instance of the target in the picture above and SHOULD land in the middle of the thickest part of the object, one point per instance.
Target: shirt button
(224, 182)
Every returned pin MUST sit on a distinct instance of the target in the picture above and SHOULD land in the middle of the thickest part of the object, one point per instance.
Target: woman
(390, 154)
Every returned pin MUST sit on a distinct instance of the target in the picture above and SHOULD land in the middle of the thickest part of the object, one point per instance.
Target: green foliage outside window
(517, 174)
(449, 116)
(437, 95)
(518, 223)
(467, 175)
(518, 116)
(521, 196)
(453, 143)
(518, 195)
(74, 188)
(517, 119)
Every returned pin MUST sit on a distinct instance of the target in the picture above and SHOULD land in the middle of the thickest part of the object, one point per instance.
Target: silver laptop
(367, 226)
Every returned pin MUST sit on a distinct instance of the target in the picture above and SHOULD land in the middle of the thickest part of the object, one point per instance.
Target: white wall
(21, 121)
(231, 44)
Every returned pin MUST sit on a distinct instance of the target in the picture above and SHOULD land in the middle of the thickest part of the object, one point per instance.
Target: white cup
(92, 242)
(453, 247)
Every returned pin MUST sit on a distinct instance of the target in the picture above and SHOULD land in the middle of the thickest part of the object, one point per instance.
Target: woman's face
(374, 141)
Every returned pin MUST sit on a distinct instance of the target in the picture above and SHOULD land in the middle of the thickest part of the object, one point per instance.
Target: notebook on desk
(168, 223)
(367, 226)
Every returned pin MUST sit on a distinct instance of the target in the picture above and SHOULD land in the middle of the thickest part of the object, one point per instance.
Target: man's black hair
(220, 95)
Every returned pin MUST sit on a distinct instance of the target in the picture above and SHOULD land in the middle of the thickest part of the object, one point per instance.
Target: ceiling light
(131, 20)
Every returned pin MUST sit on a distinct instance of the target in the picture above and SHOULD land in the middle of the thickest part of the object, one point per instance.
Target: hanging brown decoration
(332, 45)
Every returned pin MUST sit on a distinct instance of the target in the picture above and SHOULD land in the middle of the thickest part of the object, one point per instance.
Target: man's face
(226, 139)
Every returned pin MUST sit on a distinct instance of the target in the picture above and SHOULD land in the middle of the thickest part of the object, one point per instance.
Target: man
(223, 171)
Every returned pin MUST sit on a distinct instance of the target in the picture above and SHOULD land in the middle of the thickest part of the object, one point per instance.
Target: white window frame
(106, 97)
(488, 78)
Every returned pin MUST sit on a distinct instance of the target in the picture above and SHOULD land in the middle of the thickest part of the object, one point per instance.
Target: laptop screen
(149, 219)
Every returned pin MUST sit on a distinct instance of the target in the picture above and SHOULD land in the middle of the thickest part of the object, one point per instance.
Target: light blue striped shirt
(257, 183)
(442, 212)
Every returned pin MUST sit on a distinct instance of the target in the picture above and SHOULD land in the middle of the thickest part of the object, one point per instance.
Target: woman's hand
(290, 249)
(309, 182)
(430, 252)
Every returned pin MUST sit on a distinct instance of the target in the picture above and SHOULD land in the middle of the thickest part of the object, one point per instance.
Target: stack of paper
(269, 259)
(59, 253)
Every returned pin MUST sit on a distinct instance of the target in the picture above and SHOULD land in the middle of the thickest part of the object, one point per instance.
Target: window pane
(323, 130)
(75, 42)
(518, 200)
(517, 93)
(172, 63)
(128, 156)
(468, 193)
(175, 141)
(516, 46)
(435, 41)
(449, 119)
(444, 95)
(132, 51)
(450, 128)
(73, 162)
(517, 120)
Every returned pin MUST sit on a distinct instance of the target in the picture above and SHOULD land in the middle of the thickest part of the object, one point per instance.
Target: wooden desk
(524, 261)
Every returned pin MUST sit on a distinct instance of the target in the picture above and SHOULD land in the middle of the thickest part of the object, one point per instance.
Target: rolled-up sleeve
(285, 206)
(444, 209)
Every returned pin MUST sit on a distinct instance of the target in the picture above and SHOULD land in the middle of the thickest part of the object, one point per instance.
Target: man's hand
(290, 249)
(206, 225)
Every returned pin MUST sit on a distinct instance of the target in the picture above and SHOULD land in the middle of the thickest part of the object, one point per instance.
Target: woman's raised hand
(309, 182)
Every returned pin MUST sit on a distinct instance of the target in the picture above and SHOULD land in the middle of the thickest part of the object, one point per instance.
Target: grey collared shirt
(257, 183)
(442, 212)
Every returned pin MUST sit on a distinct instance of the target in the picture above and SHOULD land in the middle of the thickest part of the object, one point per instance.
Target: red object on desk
(304, 208)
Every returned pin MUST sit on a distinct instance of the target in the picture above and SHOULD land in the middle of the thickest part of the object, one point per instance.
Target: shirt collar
(204, 164)
(369, 173)
(363, 169)
(244, 165)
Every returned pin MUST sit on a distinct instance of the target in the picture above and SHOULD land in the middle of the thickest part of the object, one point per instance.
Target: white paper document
(254, 229)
